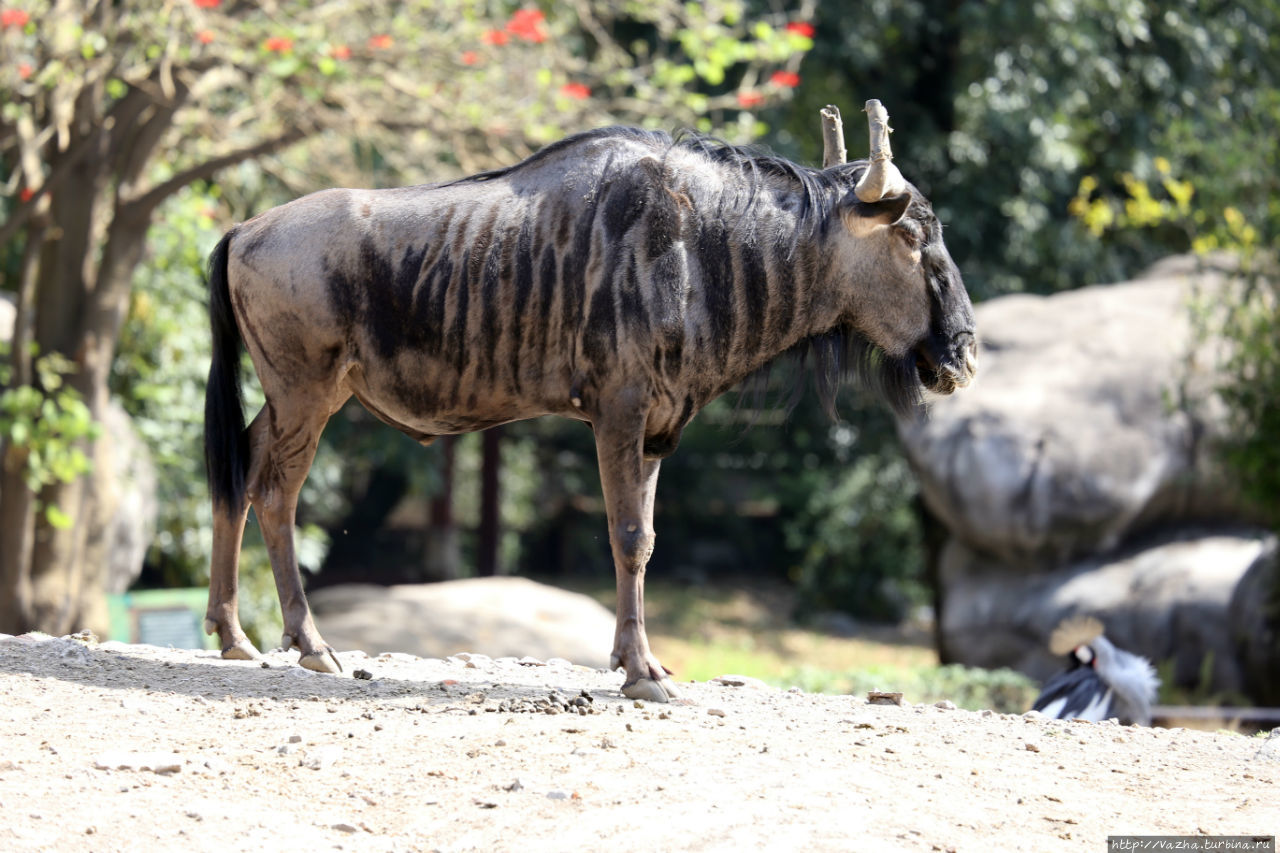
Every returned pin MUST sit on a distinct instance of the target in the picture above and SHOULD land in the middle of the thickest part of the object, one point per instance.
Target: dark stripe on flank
(457, 354)
(754, 280)
(523, 293)
(717, 273)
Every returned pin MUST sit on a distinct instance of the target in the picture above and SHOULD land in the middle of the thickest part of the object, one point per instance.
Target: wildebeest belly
(426, 398)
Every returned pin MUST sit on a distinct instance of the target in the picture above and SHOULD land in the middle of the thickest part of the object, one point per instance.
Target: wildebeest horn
(882, 179)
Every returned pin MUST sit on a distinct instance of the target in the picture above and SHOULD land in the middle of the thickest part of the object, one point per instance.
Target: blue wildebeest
(618, 277)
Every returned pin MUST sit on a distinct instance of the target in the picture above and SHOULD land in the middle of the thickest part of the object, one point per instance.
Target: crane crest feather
(1073, 633)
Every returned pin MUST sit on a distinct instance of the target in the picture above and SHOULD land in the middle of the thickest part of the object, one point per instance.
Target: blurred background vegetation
(1063, 143)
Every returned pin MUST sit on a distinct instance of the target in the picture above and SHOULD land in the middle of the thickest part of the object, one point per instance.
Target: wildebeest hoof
(651, 691)
(241, 650)
(325, 660)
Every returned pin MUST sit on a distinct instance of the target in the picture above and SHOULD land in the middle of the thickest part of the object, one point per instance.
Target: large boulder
(1167, 597)
(1079, 475)
(498, 617)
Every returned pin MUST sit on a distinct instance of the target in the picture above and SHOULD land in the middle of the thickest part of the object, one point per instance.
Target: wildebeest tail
(226, 444)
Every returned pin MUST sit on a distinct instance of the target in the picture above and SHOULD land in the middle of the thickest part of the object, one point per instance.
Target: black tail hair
(226, 443)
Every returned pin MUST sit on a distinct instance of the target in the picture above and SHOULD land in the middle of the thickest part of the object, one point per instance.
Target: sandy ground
(117, 747)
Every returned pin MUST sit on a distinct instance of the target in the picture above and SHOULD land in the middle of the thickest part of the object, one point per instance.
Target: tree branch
(148, 201)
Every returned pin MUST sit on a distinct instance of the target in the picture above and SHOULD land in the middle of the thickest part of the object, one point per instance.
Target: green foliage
(858, 540)
(1252, 393)
(968, 687)
(46, 424)
(1001, 108)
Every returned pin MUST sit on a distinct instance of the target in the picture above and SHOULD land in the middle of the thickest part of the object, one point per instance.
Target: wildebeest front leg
(630, 482)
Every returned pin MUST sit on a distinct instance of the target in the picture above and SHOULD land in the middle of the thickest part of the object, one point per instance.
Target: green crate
(161, 617)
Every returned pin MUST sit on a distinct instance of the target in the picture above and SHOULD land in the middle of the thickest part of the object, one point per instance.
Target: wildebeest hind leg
(282, 455)
(223, 614)
(629, 482)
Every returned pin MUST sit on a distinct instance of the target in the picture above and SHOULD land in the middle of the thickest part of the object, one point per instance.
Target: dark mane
(655, 138)
(818, 190)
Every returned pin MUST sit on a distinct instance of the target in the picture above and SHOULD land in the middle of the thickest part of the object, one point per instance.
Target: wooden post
(490, 529)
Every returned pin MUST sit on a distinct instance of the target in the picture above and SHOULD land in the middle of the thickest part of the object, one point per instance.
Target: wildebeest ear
(863, 216)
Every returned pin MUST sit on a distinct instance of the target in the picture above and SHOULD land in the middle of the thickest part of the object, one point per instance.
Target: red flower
(26, 195)
(204, 36)
(208, 4)
(527, 24)
(749, 99)
(24, 70)
(381, 42)
(278, 44)
(469, 57)
(494, 37)
(786, 79)
(13, 18)
(801, 28)
(340, 51)
(577, 91)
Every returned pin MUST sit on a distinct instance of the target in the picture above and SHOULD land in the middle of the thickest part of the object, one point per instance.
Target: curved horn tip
(882, 179)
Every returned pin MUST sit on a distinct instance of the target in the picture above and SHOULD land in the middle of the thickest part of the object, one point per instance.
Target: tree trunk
(490, 524)
(17, 525)
(17, 502)
(79, 315)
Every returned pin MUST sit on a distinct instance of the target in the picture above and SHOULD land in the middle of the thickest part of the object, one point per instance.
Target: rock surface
(497, 617)
(1078, 476)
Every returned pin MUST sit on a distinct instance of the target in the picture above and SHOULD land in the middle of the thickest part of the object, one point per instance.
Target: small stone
(322, 757)
(295, 738)
(156, 762)
(945, 704)
(362, 674)
(880, 697)
(557, 795)
(514, 786)
(345, 827)
(216, 765)
(715, 712)
(739, 681)
(1031, 747)
(70, 651)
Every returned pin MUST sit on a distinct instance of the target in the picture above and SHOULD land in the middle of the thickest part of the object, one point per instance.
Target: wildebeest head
(906, 294)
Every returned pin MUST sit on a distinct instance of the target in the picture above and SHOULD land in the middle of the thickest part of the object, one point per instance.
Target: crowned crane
(1100, 681)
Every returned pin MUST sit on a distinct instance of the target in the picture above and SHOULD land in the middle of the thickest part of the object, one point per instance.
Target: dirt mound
(119, 747)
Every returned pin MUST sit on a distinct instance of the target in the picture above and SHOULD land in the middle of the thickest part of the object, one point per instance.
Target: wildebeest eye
(910, 231)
